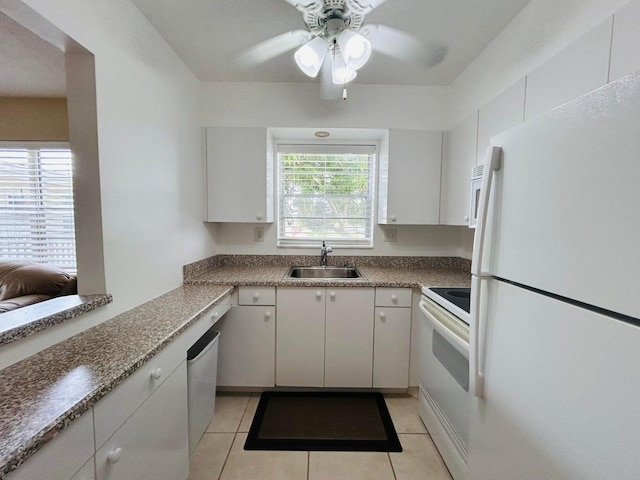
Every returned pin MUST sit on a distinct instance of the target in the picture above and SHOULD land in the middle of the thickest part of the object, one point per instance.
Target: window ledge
(28, 320)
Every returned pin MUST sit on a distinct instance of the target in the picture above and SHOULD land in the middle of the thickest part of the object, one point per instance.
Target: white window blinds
(36, 205)
(325, 192)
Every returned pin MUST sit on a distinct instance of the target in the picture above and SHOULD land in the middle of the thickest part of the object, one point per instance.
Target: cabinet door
(349, 337)
(238, 174)
(579, 68)
(300, 337)
(458, 160)
(152, 443)
(409, 191)
(626, 37)
(247, 346)
(74, 445)
(87, 472)
(391, 347)
(504, 111)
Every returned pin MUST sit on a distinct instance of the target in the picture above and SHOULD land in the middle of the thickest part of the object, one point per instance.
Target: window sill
(28, 320)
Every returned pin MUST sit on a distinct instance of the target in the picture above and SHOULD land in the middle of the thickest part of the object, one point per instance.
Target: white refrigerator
(555, 311)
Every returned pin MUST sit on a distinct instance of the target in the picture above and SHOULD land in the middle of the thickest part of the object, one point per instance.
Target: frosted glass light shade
(310, 56)
(341, 72)
(355, 48)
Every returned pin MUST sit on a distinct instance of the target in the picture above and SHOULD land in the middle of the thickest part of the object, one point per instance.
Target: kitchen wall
(551, 53)
(301, 105)
(148, 134)
(33, 119)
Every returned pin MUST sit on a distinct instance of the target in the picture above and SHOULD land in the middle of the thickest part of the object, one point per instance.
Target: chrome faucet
(324, 252)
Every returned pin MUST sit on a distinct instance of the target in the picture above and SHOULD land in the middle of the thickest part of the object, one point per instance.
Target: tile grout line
(393, 470)
(224, 464)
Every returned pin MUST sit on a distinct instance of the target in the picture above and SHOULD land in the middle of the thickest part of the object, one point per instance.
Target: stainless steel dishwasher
(202, 369)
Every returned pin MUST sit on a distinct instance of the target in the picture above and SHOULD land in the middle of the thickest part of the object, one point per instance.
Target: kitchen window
(36, 204)
(325, 192)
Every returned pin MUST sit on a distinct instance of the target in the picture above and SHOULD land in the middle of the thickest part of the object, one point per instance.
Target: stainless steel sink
(324, 272)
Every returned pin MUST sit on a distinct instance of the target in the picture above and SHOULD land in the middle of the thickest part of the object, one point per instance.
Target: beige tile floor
(220, 454)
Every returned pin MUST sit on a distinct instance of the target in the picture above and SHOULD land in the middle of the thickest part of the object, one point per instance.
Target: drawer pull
(114, 455)
(256, 296)
(318, 294)
(332, 294)
(383, 315)
(267, 314)
(156, 374)
(215, 315)
(394, 298)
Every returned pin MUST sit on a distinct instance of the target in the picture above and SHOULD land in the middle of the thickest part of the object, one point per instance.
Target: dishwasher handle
(203, 344)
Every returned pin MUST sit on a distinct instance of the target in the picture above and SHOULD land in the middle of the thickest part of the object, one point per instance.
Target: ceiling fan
(338, 43)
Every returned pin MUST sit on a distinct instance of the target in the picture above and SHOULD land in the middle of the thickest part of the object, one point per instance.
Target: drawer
(74, 445)
(118, 405)
(256, 295)
(393, 297)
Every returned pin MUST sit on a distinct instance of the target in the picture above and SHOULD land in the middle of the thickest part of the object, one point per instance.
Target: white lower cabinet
(87, 472)
(152, 444)
(247, 346)
(349, 337)
(300, 337)
(324, 337)
(74, 445)
(392, 340)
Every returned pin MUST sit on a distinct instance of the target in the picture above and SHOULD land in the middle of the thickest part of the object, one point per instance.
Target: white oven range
(444, 397)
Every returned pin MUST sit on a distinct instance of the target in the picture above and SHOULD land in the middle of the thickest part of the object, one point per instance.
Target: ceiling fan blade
(392, 42)
(363, 7)
(398, 44)
(307, 6)
(272, 47)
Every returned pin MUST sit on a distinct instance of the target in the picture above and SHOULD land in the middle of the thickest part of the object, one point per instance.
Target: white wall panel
(581, 67)
(625, 53)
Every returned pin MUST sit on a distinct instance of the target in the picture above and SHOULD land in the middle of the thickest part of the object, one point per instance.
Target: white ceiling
(209, 34)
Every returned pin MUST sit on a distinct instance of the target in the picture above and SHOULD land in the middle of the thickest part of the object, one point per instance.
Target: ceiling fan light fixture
(355, 48)
(310, 56)
(341, 73)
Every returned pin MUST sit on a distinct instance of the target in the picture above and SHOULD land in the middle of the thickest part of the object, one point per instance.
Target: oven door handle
(458, 343)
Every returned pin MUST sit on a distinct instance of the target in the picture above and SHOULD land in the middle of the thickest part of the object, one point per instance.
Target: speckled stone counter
(42, 394)
(26, 321)
(415, 272)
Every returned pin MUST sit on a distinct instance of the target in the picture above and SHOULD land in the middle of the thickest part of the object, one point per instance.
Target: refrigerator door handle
(478, 334)
(491, 164)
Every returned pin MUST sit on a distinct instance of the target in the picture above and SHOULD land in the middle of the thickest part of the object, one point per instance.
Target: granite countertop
(41, 395)
(374, 276)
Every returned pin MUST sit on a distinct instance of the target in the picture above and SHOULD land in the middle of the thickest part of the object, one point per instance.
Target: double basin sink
(323, 272)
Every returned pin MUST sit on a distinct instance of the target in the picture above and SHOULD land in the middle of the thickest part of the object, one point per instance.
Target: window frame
(366, 146)
(51, 145)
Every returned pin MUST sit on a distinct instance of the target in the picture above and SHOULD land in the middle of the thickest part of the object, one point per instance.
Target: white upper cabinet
(409, 186)
(503, 112)
(578, 69)
(460, 144)
(626, 38)
(239, 176)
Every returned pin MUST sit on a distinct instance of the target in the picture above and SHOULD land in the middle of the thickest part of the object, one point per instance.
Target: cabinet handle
(383, 315)
(332, 294)
(256, 296)
(114, 455)
(394, 298)
(215, 315)
(259, 216)
(393, 218)
(156, 374)
(318, 294)
(267, 314)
